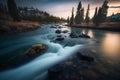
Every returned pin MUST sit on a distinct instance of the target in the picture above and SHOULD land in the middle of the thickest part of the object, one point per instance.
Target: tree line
(14, 11)
(100, 14)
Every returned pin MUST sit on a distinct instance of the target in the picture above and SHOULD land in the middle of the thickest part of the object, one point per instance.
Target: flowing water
(12, 45)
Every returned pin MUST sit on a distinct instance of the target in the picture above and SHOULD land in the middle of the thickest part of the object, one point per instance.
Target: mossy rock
(35, 49)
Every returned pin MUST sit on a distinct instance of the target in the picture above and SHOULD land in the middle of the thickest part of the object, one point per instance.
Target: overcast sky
(62, 8)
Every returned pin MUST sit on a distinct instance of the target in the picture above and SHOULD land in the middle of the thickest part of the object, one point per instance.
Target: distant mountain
(33, 14)
(114, 18)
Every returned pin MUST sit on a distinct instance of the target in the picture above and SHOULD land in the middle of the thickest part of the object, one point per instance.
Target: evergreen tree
(99, 15)
(95, 16)
(72, 17)
(68, 20)
(87, 18)
(104, 10)
(102, 13)
(79, 14)
(82, 15)
(12, 9)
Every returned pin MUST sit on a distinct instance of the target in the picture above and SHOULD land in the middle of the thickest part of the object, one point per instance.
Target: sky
(62, 8)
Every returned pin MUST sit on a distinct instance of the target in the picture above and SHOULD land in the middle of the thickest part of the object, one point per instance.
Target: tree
(13, 11)
(72, 17)
(82, 15)
(95, 16)
(104, 10)
(79, 14)
(102, 13)
(68, 20)
(87, 18)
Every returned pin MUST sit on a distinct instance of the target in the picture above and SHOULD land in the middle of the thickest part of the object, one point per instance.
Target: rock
(36, 48)
(59, 39)
(65, 31)
(59, 35)
(52, 27)
(85, 57)
(60, 27)
(58, 31)
(55, 71)
(72, 35)
(84, 36)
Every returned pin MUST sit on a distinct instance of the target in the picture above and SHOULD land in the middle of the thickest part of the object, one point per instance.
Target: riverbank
(110, 26)
(17, 27)
(8, 26)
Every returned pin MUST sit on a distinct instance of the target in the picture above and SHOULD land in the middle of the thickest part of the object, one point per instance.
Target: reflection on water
(109, 41)
(111, 45)
(90, 33)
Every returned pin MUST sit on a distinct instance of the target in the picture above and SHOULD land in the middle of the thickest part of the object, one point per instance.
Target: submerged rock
(65, 31)
(58, 31)
(23, 58)
(72, 35)
(84, 36)
(53, 27)
(59, 35)
(60, 39)
(55, 71)
(85, 57)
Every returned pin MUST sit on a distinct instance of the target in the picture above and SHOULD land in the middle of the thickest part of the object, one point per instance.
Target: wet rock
(55, 71)
(58, 31)
(36, 48)
(60, 39)
(23, 58)
(85, 57)
(84, 36)
(60, 27)
(52, 27)
(72, 35)
(65, 31)
(59, 35)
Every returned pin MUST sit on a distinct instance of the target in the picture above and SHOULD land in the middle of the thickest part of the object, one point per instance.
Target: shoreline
(112, 26)
(11, 27)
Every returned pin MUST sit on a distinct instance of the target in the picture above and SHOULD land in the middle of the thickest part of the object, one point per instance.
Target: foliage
(87, 18)
(68, 20)
(95, 16)
(102, 13)
(33, 14)
(72, 17)
(79, 18)
(13, 11)
(3, 8)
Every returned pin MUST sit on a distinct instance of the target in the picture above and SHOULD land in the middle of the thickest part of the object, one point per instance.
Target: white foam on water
(39, 65)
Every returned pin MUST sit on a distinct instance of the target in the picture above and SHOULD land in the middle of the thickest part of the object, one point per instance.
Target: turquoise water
(12, 45)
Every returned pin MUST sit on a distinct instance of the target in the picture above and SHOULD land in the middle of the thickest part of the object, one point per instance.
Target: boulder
(55, 71)
(72, 35)
(36, 48)
(58, 31)
(65, 31)
(85, 57)
(60, 39)
(84, 36)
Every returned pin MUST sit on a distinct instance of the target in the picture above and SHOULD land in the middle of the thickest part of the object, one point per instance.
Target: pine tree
(82, 15)
(104, 10)
(102, 13)
(72, 17)
(99, 15)
(95, 16)
(87, 18)
(68, 20)
(79, 14)
(12, 9)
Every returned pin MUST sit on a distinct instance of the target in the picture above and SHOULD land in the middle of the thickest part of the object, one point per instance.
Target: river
(105, 45)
